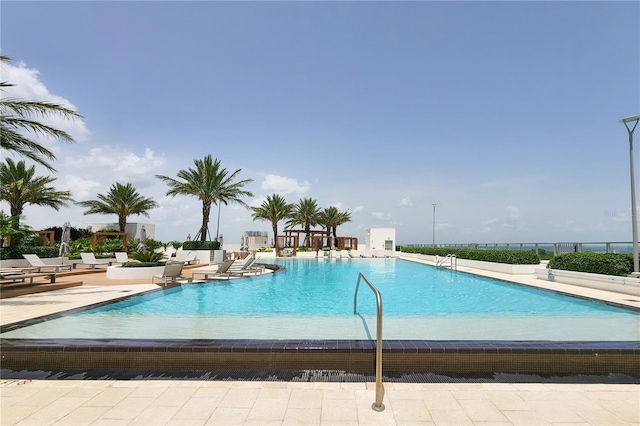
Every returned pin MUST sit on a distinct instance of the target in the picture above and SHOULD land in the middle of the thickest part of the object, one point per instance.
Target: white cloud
(357, 209)
(406, 202)
(27, 86)
(81, 189)
(284, 185)
(118, 164)
(381, 215)
(513, 212)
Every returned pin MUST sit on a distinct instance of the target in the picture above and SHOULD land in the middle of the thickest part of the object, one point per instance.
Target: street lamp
(634, 213)
(433, 243)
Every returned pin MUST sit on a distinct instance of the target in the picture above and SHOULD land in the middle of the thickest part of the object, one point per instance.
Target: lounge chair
(221, 272)
(39, 266)
(186, 257)
(123, 257)
(247, 265)
(89, 259)
(17, 276)
(171, 274)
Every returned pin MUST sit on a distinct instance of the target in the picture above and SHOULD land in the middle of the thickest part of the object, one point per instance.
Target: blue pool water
(314, 299)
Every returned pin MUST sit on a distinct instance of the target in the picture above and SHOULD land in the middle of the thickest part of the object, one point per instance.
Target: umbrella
(66, 236)
(142, 246)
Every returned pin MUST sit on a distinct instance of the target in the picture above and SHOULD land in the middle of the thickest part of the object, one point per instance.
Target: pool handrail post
(377, 405)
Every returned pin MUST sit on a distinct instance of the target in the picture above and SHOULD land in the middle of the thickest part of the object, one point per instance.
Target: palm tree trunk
(275, 235)
(16, 212)
(206, 210)
(122, 222)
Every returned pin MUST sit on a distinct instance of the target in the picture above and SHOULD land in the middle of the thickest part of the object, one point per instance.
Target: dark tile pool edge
(460, 357)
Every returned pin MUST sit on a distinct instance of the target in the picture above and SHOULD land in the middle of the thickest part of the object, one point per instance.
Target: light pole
(433, 243)
(634, 213)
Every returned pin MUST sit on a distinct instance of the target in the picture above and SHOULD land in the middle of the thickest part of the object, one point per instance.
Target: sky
(503, 114)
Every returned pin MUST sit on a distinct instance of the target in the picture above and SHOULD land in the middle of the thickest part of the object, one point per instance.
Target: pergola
(103, 235)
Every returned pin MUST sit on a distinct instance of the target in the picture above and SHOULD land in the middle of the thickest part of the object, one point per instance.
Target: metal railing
(556, 248)
(377, 405)
(453, 261)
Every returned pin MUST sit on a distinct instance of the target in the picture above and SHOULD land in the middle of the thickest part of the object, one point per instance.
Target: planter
(624, 285)
(117, 272)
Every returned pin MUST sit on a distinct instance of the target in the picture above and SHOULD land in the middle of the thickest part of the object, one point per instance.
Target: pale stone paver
(159, 402)
(192, 402)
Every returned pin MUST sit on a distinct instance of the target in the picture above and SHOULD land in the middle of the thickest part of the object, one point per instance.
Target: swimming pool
(313, 299)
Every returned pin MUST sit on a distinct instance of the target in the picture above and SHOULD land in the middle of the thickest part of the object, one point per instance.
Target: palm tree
(211, 184)
(16, 115)
(274, 209)
(305, 213)
(121, 200)
(20, 186)
(331, 218)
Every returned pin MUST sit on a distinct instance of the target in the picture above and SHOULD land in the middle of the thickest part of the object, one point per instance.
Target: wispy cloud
(284, 185)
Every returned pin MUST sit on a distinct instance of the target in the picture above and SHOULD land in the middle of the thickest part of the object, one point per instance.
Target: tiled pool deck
(199, 402)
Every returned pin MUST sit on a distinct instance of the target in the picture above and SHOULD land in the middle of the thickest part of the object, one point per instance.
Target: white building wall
(380, 239)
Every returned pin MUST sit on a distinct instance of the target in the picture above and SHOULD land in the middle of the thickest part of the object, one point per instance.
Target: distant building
(254, 240)
(131, 228)
(381, 239)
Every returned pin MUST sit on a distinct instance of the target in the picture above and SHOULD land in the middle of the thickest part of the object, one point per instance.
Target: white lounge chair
(123, 257)
(221, 272)
(89, 259)
(186, 257)
(40, 266)
(246, 266)
(171, 274)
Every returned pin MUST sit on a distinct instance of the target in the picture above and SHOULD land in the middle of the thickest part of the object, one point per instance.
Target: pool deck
(200, 402)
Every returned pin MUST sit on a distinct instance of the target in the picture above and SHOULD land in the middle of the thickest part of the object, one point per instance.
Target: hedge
(511, 257)
(16, 252)
(595, 263)
(201, 245)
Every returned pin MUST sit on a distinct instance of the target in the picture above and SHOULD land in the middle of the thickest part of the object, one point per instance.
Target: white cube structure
(381, 239)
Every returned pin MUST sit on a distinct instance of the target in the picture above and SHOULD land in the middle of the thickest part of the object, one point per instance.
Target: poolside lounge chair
(15, 275)
(248, 265)
(221, 272)
(40, 266)
(123, 257)
(89, 259)
(171, 274)
(186, 257)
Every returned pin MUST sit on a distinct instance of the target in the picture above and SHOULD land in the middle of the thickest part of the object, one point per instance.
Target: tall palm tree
(16, 115)
(274, 209)
(20, 186)
(121, 200)
(211, 185)
(331, 218)
(305, 213)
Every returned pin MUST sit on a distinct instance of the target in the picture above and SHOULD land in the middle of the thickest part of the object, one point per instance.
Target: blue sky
(505, 114)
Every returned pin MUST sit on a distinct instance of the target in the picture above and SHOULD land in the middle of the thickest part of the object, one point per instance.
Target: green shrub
(17, 252)
(146, 256)
(201, 245)
(512, 257)
(596, 263)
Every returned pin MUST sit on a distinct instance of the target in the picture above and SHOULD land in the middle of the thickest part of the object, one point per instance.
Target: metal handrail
(452, 258)
(377, 405)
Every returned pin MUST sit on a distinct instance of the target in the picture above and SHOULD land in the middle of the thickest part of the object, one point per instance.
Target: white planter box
(624, 285)
(306, 254)
(117, 272)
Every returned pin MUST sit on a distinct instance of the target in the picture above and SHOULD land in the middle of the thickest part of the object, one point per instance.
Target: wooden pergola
(100, 237)
(286, 245)
(47, 238)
